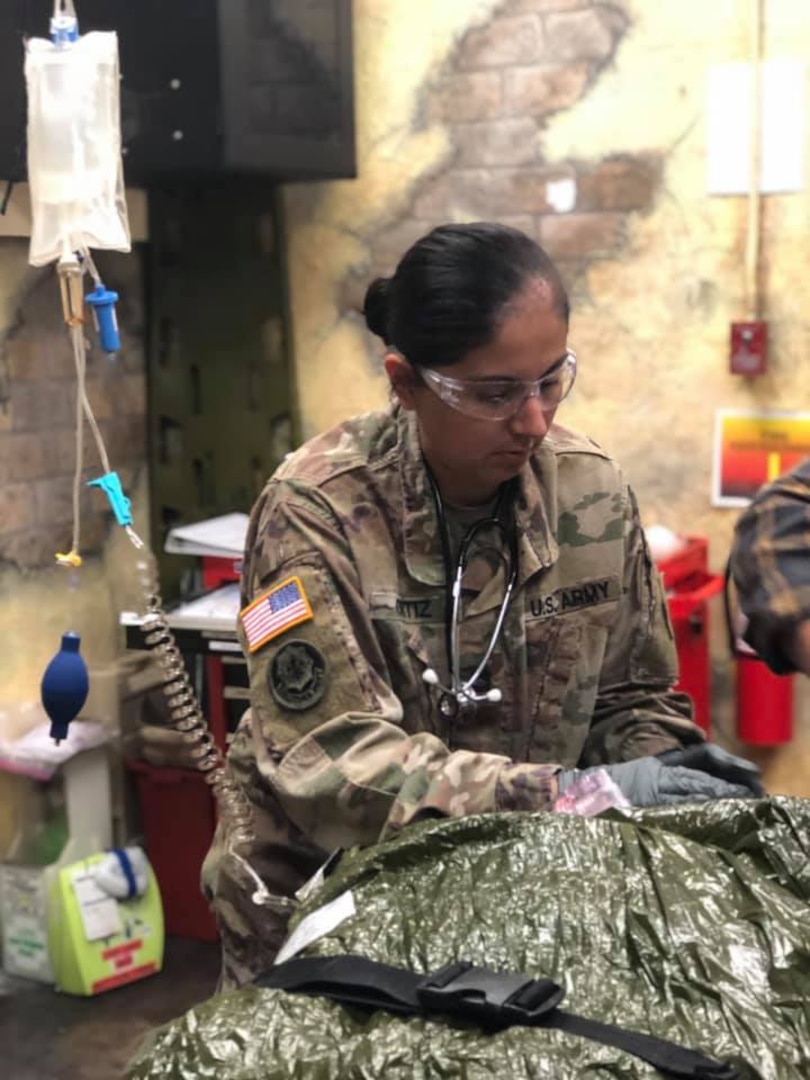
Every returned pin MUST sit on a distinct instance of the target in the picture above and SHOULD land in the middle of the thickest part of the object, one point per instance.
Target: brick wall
(495, 97)
(37, 416)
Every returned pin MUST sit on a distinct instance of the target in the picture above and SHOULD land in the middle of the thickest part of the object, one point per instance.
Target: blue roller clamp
(64, 686)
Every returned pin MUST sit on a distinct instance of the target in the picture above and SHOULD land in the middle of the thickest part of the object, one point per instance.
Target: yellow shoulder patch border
(275, 611)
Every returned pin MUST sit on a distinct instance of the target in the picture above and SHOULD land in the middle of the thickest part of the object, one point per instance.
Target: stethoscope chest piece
(452, 703)
(449, 706)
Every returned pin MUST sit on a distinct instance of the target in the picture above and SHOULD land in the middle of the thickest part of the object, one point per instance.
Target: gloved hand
(714, 760)
(648, 782)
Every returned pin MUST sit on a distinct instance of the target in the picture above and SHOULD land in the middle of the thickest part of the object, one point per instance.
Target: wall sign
(752, 447)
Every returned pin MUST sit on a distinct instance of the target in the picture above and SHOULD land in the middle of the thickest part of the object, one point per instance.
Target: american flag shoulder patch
(275, 611)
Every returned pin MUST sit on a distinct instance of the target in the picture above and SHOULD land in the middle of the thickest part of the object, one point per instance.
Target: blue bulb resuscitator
(64, 686)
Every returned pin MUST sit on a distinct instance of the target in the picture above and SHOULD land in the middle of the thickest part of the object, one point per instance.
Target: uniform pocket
(551, 656)
(410, 648)
(565, 660)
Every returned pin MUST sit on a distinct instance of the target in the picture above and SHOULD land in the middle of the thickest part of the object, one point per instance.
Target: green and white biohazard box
(96, 942)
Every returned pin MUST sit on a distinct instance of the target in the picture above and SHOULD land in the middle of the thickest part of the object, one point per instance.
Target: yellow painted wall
(399, 47)
(653, 333)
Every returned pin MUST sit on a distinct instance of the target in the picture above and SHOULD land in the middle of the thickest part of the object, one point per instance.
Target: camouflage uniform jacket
(771, 564)
(344, 740)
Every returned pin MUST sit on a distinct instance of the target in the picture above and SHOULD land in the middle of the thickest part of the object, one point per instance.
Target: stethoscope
(462, 694)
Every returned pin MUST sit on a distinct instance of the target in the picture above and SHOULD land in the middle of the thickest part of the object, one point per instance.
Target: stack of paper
(222, 537)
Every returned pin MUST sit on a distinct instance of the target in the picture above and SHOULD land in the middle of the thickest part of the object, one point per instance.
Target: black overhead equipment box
(260, 87)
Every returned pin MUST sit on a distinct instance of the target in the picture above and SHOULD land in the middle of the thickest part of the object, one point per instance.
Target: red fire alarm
(749, 348)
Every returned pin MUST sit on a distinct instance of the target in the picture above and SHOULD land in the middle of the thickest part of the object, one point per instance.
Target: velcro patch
(297, 675)
(570, 598)
(280, 608)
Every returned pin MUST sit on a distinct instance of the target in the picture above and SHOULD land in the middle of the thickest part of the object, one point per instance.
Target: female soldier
(449, 606)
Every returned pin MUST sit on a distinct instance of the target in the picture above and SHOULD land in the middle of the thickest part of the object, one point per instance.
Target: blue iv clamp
(110, 484)
(102, 301)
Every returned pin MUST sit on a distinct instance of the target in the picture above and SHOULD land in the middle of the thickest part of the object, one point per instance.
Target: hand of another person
(162, 746)
(714, 760)
(648, 782)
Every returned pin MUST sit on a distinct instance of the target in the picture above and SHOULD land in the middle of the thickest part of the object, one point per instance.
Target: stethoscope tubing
(463, 690)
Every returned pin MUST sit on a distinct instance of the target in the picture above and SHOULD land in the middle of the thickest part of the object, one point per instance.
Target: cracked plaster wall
(655, 284)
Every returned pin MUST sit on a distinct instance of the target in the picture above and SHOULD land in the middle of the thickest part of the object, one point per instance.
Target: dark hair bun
(376, 308)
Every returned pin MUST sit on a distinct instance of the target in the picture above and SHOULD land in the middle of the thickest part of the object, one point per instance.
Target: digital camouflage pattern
(771, 564)
(585, 663)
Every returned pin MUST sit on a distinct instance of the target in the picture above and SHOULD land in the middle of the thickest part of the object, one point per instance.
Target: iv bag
(74, 147)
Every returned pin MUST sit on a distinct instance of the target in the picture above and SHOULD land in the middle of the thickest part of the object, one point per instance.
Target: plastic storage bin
(178, 815)
(689, 587)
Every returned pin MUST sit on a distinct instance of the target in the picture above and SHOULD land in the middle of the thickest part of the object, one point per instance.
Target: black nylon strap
(353, 980)
(495, 1000)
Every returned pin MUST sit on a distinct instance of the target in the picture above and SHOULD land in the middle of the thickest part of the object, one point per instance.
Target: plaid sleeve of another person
(771, 564)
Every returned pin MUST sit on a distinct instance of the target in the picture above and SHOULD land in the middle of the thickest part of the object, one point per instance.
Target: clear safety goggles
(498, 399)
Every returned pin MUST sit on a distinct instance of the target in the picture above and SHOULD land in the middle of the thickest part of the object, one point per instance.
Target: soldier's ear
(404, 379)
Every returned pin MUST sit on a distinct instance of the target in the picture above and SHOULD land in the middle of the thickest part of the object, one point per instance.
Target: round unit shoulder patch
(297, 675)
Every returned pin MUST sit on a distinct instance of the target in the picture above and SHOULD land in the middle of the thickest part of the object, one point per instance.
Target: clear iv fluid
(71, 161)
(57, 180)
(74, 147)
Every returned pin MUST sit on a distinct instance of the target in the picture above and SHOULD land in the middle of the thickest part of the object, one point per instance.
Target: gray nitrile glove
(714, 760)
(647, 782)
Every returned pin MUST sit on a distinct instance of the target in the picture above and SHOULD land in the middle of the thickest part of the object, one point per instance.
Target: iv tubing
(91, 266)
(83, 408)
(64, 7)
(78, 355)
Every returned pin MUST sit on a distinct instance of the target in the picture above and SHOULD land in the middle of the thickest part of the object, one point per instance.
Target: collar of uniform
(536, 513)
(535, 510)
(420, 526)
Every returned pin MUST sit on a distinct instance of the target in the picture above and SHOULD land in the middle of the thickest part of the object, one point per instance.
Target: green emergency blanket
(689, 924)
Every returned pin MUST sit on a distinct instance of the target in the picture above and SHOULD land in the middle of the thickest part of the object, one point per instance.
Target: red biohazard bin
(177, 811)
(218, 571)
(764, 703)
(689, 587)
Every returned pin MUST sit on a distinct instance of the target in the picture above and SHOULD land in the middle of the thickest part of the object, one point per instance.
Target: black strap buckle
(493, 998)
